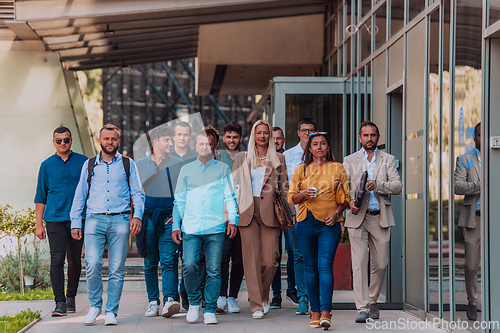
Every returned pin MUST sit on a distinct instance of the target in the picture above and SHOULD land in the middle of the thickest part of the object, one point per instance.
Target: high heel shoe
(326, 319)
(314, 319)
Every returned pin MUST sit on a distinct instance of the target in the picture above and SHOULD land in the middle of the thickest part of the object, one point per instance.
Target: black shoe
(184, 300)
(70, 305)
(60, 310)
(276, 302)
(374, 312)
(472, 312)
(361, 318)
(291, 295)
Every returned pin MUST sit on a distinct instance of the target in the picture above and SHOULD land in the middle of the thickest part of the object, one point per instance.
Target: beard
(109, 152)
(370, 147)
(235, 148)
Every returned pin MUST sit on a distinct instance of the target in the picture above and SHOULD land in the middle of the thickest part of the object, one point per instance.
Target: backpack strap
(90, 168)
(126, 166)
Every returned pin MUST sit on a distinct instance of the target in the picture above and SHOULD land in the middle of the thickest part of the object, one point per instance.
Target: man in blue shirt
(108, 210)
(232, 246)
(57, 180)
(203, 188)
(159, 172)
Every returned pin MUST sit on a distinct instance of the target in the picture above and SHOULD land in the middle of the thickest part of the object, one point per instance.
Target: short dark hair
(109, 127)
(209, 130)
(233, 127)
(475, 128)
(368, 123)
(276, 128)
(160, 132)
(183, 124)
(307, 121)
(60, 130)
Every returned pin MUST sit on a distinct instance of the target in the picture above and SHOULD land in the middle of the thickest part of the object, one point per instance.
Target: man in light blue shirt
(106, 197)
(203, 188)
(373, 204)
(293, 158)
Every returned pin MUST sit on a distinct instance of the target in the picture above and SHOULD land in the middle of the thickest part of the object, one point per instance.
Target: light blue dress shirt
(293, 158)
(370, 167)
(201, 193)
(478, 203)
(109, 192)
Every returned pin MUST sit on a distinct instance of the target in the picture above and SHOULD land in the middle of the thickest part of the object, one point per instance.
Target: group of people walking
(210, 209)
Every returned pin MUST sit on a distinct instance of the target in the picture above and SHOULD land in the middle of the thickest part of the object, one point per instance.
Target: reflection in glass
(415, 8)
(380, 26)
(366, 39)
(366, 5)
(325, 109)
(397, 16)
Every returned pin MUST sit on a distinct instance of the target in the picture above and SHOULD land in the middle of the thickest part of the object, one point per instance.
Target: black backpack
(91, 165)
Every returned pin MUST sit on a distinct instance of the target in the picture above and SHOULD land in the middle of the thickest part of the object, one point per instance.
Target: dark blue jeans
(290, 274)
(318, 244)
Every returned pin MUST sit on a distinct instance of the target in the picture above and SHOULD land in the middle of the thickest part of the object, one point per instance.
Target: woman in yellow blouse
(319, 221)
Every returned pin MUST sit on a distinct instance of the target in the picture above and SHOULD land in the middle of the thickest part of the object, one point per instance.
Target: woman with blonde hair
(260, 175)
(320, 187)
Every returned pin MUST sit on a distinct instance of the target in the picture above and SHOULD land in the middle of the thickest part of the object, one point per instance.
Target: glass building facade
(432, 67)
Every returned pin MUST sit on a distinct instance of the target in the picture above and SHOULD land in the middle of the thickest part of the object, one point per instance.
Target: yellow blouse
(325, 178)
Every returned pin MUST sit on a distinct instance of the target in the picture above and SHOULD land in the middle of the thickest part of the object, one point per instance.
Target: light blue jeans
(99, 231)
(192, 245)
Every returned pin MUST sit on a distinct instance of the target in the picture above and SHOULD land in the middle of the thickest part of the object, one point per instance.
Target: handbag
(283, 212)
(361, 189)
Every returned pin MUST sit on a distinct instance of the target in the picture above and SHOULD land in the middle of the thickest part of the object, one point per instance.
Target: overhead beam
(22, 30)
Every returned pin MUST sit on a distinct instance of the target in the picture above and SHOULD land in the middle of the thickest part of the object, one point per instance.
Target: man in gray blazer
(369, 226)
(468, 183)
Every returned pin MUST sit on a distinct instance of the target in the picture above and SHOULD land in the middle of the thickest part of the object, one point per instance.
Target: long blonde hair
(272, 155)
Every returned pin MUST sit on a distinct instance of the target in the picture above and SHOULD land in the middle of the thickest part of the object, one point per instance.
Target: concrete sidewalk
(133, 305)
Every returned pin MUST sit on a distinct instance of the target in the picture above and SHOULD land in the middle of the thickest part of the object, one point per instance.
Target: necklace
(261, 158)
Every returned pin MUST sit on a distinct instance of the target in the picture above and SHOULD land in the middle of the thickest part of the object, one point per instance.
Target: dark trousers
(231, 251)
(60, 244)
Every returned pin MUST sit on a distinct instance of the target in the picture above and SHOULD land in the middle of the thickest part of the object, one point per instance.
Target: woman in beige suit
(258, 175)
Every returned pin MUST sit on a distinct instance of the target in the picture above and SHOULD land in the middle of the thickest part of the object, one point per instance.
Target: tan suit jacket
(273, 179)
(468, 183)
(388, 182)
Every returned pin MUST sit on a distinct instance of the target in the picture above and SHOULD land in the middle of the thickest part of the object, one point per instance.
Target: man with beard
(232, 246)
(370, 224)
(203, 188)
(159, 172)
(468, 183)
(57, 180)
(279, 139)
(107, 184)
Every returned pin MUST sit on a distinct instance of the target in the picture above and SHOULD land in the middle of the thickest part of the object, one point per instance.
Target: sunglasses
(307, 130)
(66, 141)
(317, 133)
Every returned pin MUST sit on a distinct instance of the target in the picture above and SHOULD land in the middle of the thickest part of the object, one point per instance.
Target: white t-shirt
(257, 180)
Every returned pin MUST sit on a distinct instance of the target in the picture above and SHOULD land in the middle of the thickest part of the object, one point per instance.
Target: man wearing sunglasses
(57, 180)
(293, 157)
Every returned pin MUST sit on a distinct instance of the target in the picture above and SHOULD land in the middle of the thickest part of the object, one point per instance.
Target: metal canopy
(91, 34)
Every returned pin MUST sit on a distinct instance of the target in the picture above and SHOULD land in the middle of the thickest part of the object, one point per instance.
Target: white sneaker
(193, 313)
(110, 319)
(209, 318)
(152, 310)
(170, 308)
(257, 314)
(232, 305)
(91, 316)
(221, 304)
(266, 307)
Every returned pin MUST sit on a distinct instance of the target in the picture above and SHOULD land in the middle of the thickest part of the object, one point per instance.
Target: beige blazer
(468, 183)
(273, 179)
(388, 182)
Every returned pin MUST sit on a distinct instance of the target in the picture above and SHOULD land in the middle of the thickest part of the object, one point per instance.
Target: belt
(372, 211)
(478, 213)
(114, 214)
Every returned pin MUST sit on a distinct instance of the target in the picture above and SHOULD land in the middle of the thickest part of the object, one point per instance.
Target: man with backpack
(108, 183)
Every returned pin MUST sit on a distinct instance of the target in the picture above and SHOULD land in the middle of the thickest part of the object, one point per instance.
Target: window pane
(380, 26)
(397, 16)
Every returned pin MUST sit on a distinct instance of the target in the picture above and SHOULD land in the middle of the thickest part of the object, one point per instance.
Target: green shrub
(15, 323)
(32, 265)
(29, 295)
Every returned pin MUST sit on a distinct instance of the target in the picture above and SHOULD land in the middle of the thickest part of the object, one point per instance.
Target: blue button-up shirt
(370, 167)
(293, 157)
(57, 181)
(109, 191)
(478, 203)
(160, 194)
(201, 193)
(224, 157)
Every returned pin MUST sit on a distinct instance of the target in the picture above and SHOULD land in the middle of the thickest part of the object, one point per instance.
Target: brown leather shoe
(326, 319)
(314, 319)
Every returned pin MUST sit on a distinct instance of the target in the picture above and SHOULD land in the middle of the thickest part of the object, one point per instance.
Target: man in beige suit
(369, 226)
(468, 183)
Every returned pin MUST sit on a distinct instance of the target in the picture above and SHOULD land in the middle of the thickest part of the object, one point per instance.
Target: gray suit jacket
(468, 183)
(388, 182)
